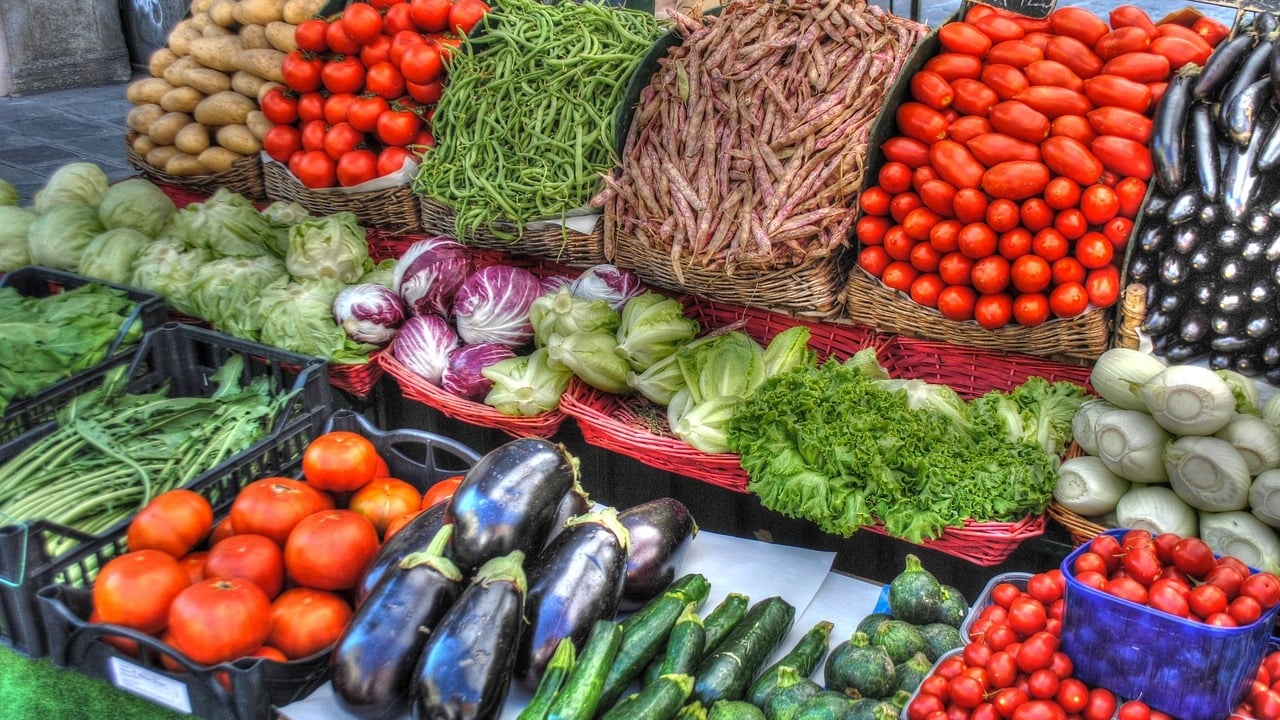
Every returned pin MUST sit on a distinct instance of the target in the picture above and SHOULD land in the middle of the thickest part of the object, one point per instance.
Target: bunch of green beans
(526, 124)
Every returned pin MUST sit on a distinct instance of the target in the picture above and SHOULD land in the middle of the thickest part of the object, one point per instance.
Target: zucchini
(860, 669)
(729, 669)
(644, 633)
(722, 619)
(734, 710)
(692, 711)
(684, 644)
(562, 661)
(790, 692)
(915, 595)
(803, 657)
(580, 696)
(826, 705)
(659, 700)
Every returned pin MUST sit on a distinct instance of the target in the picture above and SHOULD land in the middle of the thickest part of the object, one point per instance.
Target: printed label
(149, 684)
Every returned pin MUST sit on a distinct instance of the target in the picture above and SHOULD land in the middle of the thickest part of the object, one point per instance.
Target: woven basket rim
(393, 208)
(544, 238)
(244, 177)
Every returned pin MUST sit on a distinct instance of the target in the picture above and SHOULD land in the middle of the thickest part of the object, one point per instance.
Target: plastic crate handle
(15, 536)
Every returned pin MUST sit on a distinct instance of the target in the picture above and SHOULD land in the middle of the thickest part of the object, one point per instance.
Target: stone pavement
(41, 132)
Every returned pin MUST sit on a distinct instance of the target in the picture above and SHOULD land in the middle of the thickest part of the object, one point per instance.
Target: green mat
(37, 689)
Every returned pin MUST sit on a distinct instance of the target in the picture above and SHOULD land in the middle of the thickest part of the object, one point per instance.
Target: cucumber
(915, 595)
(580, 696)
(803, 657)
(684, 644)
(553, 679)
(734, 710)
(790, 692)
(730, 668)
(826, 705)
(644, 633)
(659, 700)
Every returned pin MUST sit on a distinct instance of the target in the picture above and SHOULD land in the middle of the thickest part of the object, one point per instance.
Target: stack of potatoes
(198, 112)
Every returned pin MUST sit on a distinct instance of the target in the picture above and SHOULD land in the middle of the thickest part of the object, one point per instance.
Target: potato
(247, 84)
(224, 108)
(254, 37)
(199, 6)
(142, 117)
(223, 12)
(206, 80)
(193, 138)
(218, 159)
(143, 144)
(263, 63)
(281, 35)
(213, 31)
(166, 127)
(215, 52)
(181, 99)
(181, 37)
(147, 90)
(200, 21)
(268, 86)
(159, 157)
(238, 138)
(297, 11)
(176, 73)
(258, 124)
(259, 12)
(160, 60)
(185, 165)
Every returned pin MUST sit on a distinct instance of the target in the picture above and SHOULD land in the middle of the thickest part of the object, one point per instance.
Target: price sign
(1029, 8)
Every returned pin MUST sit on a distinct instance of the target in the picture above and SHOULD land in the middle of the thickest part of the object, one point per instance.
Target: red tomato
(402, 41)
(1093, 249)
(1193, 556)
(309, 35)
(1036, 214)
(874, 260)
(1180, 51)
(398, 523)
(990, 274)
(465, 14)
(391, 160)
(222, 530)
(1244, 610)
(874, 201)
(376, 51)
(1117, 231)
(898, 243)
(1226, 577)
(939, 196)
(902, 204)
(970, 205)
(977, 240)
(954, 268)
(339, 461)
(899, 275)
(1016, 179)
(1165, 597)
(256, 558)
(356, 166)
(219, 619)
(341, 139)
(993, 311)
(998, 27)
(1005, 80)
(281, 142)
(1132, 16)
(426, 93)
(1050, 244)
(1043, 684)
(1101, 706)
(1263, 587)
(1036, 651)
(421, 63)
(136, 588)
(894, 177)
(194, 564)
(361, 22)
(398, 127)
(972, 97)
(1116, 91)
(963, 129)
(945, 236)
(1030, 309)
(174, 522)
(1103, 286)
(1211, 30)
(311, 107)
(926, 288)
(273, 506)
(1071, 159)
(870, 229)
(329, 550)
(1051, 73)
(344, 75)
(1002, 215)
(931, 89)
(1205, 600)
(337, 106)
(338, 39)
(961, 37)
(925, 257)
(1027, 616)
(1068, 300)
(1078, 23)
(1075, 127)
(1126, 588)
(300, 72)
(364, 111)
(1073, 53)
(383, 499)
(1015, 53)
(280, 108)
(305, 621)
(951, 65)
(956, 302)
(385, 80)
(1018, 119)
(1014, 243)
(921, 122)
(908, 151)
(1071, 223)
(1030, 273)
(1140, 67)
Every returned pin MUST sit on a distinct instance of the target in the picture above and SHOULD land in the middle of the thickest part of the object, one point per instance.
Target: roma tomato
(1102, 285)
(220, 619)
(994, 148)
(1132, 16)
(1073, 53)
(1122, 40)
(932, 89)
(1121, 122)
(1122, 156)
(1073, 126)
(329, 550)
(1078, 23)
(921, 122)
(951, 65)
(339, 461)
(965, 128)
(1015, 53)
(174, 521)
(1116, 91)
(956, 164)
(972, 97)
(1051, 73)
(961, 37)
(383, 499)
(1205, 600)
(1140, 67)
(1016, 179)
(1005, 80)
(1019, 120)
(908, 151)
(256, 558)
(305, 621)
(272, 506)
(1213, 31)
(1071, 159)
(135, 589)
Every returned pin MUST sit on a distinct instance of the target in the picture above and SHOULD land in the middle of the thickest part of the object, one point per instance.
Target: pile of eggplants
(1208, 248)
(514, 561)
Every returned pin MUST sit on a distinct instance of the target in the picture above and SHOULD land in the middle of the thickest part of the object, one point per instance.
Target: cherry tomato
(1039, 710)
(874, 259)
(1126, 588)
(1244, 609)
(1101, 705)
(1134, 710)
(925, 257)
(902, 204)
(1036, 214)
(1050, 244)
(990, 274)
(970, 205)
(899, 275)
(1073, 695)
(1165, 597)
(1065, 270)
(977, 240)
(1226, 577)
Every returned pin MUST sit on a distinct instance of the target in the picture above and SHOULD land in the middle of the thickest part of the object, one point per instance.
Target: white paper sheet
(757, 569)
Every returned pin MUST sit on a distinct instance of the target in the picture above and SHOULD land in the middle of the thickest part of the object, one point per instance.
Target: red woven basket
(972, 371)
(357, 379)
(415, 387)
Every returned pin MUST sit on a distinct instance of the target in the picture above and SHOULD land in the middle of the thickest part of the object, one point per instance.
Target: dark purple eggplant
(1270, 354)
(1209, 215)
(1168, 135)
(573, 582)
(374, 660)
(1141, 269)
(1153, 237)
(1182, 352)
(1186, 239)
(1260, 324)
(1253, 249)
(1269, 153)
(574, 503)
(661, 531)
(464, 671)
(1202, 258)
(1203, 143)
(1233, 269)
(1240, 113)
(415, 536)
(508, 500)
(1194, 327)
(1203, 291)
(1241, 179)
(1253, 66)
(1220, 67)
(1185, 207)
(1174, 268)
(1261, 293)
(1157, 322)
(1258, 223)
(1265, 23)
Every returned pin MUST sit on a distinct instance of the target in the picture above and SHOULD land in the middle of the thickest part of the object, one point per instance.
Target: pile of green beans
(525, 126)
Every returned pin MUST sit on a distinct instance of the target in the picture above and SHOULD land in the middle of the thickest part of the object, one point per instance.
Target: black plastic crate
(149, 313)
(249, 688)
(184, 358)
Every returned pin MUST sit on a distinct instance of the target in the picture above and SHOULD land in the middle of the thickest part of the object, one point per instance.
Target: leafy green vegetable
(331, 247)
(225, 224)
(652, 327)
(593, 357)
(526, 385)
(225, 290)
(298, 316)
(137, 204)
(167, 266)
(58, 237)
(843, 449)
(110, 255)
(8, 194)
(77, 182)
(14, 225)
(788, 350)
(731, 364)
(384, 273)
(563, 313)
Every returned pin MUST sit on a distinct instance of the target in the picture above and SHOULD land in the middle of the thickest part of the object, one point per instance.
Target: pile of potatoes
(198, 112)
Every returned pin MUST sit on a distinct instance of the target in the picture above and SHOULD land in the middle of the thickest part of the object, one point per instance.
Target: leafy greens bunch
(844, 446)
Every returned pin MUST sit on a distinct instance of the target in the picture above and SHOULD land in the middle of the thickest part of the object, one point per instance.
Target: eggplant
(1224, 324)
(573, 582)
(1258, 223)
(1174, 268)
(415, 536)
(1265, 23)
(1248, 363)
(1186, 239)
(1232, 299)
(1168, 135)
(1232, 344)
(1185, 207)
(1253, 249)
(1153, 237)
(464, 672)
(1220, 66)
(1270, 354)
(1230, 239)
(374, 660)
(1209, 215)
(1221, 360)
(574, 503)
(1233, 269)
(1157, 204)
(1255, 63)
(1203, 142)
(507, 501)
(1261, 293)
(1269, 154)
(660, 532)
(1260, 324)
(1157, 322)
(1272, 376)
(1194, 327)
(1203, 291)
(1182, 352)
(1240, 113)
(1202, 259)
(1142, 268)
(1241, 180)
(1171, 303)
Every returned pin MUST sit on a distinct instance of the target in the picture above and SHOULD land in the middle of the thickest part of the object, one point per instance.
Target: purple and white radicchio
(493, 305)
(463, 376)
(609, 283)
(423, 345)
(430, 272)
(369, 313)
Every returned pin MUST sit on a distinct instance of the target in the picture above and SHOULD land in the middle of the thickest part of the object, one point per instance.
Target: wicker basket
(357, 379)
(244, 177)
(549, 240)
(972, 371)
(395, 208)
(1081, 528)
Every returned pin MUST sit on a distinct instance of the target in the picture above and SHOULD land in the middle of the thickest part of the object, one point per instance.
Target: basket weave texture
(549, 240)
(1081, 528)
(244, 177)
(394, 208)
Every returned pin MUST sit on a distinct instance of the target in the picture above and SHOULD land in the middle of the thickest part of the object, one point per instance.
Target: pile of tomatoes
(1012, 669)
(275, 576)
(1263, 700)
(1021, 162)
(359, 89)
(1179, 576)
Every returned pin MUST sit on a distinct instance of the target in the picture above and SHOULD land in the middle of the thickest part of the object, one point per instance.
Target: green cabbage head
(59, 236)
(110, 256)
(77, 182)
(14, 225)
(136, 204)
